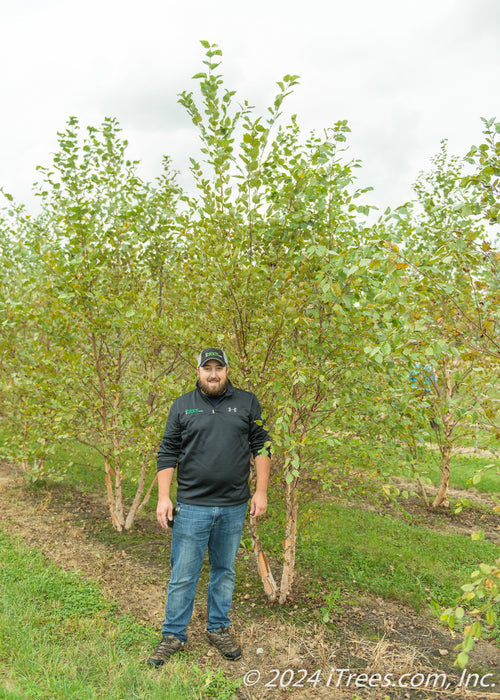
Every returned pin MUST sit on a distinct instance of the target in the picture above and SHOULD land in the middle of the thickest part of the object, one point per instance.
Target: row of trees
(343, 328)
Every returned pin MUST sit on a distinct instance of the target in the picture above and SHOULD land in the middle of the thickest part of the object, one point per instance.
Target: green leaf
(477, 629)
(468, 643)
(490, 617)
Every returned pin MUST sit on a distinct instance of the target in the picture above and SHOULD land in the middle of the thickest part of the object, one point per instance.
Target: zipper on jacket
(205, 398)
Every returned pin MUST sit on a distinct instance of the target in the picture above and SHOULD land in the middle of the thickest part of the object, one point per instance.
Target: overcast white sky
(404, 74)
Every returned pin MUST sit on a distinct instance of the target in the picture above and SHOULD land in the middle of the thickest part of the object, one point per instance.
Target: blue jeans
(197, 528)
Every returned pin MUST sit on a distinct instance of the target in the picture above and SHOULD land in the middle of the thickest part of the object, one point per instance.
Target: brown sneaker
(168, 646)
(224, 643)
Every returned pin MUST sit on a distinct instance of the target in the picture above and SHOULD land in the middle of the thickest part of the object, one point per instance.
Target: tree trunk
(423, 492)
(445, 446)
(108, 472)
(263, 568)
(137, 504)
(441, 498)
(289, 544)
(25, 463)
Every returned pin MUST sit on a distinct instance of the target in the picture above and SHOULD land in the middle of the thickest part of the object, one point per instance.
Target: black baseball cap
(212, 354)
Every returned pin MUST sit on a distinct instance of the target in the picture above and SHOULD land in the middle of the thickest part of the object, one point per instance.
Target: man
(210, 435)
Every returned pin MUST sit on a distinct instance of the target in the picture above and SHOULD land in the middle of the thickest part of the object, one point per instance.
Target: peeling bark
(108, 471)
(441, 498)
(445, 446)
(289, 544)
(137, 504)
(263, 568)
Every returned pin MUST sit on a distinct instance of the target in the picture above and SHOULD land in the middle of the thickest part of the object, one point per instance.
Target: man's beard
(213, 388)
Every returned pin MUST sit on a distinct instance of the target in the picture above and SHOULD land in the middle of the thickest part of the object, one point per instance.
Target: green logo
(192, 410)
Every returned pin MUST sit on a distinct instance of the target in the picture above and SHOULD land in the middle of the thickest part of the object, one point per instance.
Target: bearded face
(213, 378)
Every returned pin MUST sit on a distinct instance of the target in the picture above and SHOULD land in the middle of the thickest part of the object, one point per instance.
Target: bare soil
(283, 643)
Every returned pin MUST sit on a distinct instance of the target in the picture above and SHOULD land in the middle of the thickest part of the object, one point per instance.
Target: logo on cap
(212, 354)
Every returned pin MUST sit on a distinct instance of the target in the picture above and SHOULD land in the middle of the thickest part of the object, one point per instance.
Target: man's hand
(258, 504)
(164, 512)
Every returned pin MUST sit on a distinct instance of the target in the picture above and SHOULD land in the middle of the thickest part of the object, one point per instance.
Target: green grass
(60, 638)
(346, 549)
(384, 556)
(76, 465)
(338, 547)
(463, 468)
(390, 460)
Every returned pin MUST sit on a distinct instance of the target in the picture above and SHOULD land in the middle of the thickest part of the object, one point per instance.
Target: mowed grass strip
(60, 638)
(386, 556)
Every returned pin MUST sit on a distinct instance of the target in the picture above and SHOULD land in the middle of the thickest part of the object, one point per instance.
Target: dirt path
(373, 636)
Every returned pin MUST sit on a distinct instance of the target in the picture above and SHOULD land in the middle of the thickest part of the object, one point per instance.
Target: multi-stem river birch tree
(279, 271)
(101, 303)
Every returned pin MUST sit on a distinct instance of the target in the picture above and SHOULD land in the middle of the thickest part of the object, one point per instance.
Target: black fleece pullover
(211, 446)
